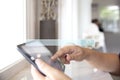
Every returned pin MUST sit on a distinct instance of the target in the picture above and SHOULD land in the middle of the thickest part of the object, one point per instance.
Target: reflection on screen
(35, 50)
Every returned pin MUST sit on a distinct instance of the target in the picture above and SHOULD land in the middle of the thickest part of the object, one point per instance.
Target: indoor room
(49, 25)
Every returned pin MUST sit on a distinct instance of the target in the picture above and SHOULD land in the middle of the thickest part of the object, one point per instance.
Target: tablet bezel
(28, 57)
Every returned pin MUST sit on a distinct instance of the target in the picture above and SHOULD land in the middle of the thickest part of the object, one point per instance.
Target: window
(110, 18)
(12, 30)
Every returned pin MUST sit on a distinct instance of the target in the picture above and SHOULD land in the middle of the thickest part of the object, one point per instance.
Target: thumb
(45, 68)
(36, 75)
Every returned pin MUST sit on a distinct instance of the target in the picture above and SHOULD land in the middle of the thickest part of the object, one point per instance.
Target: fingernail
(52, 57)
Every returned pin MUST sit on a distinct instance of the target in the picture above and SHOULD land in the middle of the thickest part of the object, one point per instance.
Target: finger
(68, 58)
(61, 52)
(36, 75)
(64, 60)
(71, 57)
(45, 68)
(77, 57)
(57, 54)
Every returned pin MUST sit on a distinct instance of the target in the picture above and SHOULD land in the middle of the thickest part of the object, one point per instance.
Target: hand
(68, 53)
(50, 72)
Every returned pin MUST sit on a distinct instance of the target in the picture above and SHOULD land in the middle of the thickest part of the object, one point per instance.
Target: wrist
(88, 53)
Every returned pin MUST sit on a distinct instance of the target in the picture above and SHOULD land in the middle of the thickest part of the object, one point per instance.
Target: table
(84, 71)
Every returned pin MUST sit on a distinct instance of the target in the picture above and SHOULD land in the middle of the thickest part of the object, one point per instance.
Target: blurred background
(23, 20)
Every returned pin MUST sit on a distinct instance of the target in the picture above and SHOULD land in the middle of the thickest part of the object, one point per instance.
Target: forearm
(107, 62)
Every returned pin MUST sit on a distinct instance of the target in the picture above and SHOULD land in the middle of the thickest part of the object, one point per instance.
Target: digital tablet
(35, 49)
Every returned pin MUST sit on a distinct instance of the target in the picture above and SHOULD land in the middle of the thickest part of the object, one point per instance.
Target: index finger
(57, 54)
(61, 52)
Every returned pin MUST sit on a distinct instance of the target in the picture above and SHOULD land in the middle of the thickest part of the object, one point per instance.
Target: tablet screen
(35, 49)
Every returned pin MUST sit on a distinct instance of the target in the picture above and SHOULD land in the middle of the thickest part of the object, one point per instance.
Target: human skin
(108, 62)
(50, 72)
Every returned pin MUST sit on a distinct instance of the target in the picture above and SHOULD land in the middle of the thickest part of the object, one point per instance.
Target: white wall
(84, 16)
(33, 19)
(38, 9)
(74, 18)
(12, 30)
(66, 19)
